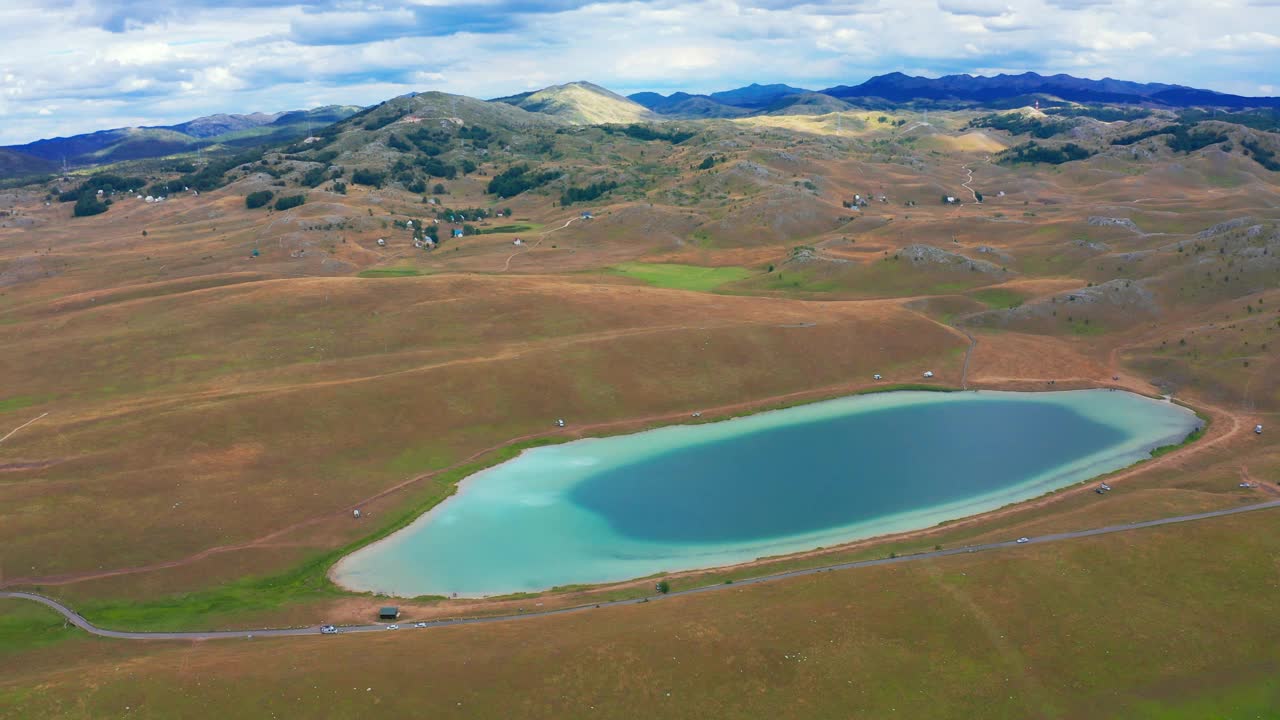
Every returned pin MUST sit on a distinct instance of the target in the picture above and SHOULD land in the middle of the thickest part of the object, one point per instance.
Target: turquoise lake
(785, 481)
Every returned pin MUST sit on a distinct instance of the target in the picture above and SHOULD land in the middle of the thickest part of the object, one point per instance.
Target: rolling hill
(727, 103)
(685, 106)
(809, 103)
(581, 103)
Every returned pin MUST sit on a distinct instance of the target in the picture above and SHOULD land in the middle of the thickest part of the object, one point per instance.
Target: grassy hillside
(582, 103)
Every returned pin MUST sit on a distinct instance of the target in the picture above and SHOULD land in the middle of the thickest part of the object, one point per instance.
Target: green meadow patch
(997, 297)
(682, 277)
(17, 402)
(1079, 327)
(25, 625)
(507, 229)
(389, 272)
(800, 282)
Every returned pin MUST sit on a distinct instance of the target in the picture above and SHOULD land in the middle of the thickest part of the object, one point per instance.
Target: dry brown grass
(214, 416)
(201, 398)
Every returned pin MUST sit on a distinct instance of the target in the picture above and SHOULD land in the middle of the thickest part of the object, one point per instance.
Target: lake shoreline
(1105, 456)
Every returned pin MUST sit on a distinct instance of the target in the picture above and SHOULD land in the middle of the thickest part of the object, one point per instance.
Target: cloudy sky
(73, 66)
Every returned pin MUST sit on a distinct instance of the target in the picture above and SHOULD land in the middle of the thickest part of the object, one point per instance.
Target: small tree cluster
(291, 201)
(258, 199)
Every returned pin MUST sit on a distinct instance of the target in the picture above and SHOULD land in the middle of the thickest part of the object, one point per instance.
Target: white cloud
(81, 65)
(980, 8)
(1247, 41)
(1104, 40)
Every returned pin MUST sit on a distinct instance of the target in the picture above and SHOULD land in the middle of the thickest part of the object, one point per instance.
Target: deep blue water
(828, 473)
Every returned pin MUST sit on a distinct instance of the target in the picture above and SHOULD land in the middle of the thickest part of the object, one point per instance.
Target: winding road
(965, 184)
(75, 619)
(507, 265)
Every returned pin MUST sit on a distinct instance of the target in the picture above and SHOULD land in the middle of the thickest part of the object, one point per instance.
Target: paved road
(85, 625)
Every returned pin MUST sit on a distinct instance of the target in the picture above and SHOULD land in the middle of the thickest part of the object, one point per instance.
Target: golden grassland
(213, 417)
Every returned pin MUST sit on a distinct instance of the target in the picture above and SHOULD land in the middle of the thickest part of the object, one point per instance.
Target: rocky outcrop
(1127, 299)
(930, 255)
(1091, 245)
(1125, 223)
(1222, 227)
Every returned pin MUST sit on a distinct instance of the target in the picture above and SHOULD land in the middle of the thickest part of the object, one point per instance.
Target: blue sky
(78, 66)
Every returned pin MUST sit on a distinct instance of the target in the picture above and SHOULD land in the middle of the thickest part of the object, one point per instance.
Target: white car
(328, 630)
(421, 624)
(393, 627)
(1024, 540)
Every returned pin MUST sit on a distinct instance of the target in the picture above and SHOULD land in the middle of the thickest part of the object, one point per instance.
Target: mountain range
(135, 143)
(950, 91)
(585, 103)
(897, 87)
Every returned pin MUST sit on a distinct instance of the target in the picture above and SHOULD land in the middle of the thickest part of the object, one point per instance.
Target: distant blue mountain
(727, 103)
(756, 96)
(897, 87)
(117, 144)
(979, 90)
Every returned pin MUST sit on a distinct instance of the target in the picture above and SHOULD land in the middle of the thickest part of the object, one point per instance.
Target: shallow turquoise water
(694, 496)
